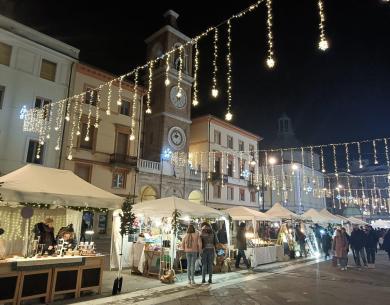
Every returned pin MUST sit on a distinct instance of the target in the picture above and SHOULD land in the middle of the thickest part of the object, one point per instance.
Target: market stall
(160, 245)
(35, 193)
(357, 221)
(316, 217)
(260, 250)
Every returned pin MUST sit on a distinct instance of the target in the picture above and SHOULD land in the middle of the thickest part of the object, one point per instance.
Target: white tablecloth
(262, 255)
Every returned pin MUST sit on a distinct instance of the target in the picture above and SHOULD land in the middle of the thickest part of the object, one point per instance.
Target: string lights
(97, 113)
(167, 68)
(180, 74)
(229, 115)
(359, 155)
(374, 149)
(322, 161)
(86, 139)
(150, 83)
(270, 58)
(323, 43)
(347, 158)
(214, 90)
(119, 101)
(132, 129)
(108, 111)
(75, 108)
(195, 101)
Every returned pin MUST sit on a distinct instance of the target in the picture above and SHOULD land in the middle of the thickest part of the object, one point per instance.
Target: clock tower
(168, 126)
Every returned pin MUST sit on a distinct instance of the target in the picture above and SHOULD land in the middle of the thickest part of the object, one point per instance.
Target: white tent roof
(316, 217)
(281, 212)
(380, 223)
(356, 221)
(39, 184)
(334, 218)
(244, 213)
(164, 207)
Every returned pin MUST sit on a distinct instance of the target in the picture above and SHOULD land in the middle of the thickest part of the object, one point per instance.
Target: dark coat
(241, 239)
(209, 239)
(371, 239)
(326, 242)
(45, 234)
(386, 241)
(357, 239)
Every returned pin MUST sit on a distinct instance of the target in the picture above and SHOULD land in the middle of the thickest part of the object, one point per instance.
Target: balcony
(125, 161)
(217, 178)
(147, 166)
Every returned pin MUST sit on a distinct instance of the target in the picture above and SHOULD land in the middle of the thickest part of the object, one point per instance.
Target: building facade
(35, 70)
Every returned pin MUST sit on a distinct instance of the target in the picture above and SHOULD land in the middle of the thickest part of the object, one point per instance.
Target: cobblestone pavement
(311, 282)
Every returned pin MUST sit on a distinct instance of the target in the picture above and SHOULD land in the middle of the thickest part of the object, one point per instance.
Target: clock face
(181, 101)
(176, 138)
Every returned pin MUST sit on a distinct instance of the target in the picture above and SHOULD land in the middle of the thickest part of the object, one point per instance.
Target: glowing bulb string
(347, 158)
(78, 132)
(270, 58)
(167, 68)
(214, 90)
(195, 101)
(86, 139)
(150, 84)
(97, 112)
(135, 96)
(180, 74)
(75, 108)
(108, 111)
(229, 115)
(323, 43)
(374, 149)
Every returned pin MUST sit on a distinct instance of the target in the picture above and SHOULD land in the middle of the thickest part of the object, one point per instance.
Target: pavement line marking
(190, 291)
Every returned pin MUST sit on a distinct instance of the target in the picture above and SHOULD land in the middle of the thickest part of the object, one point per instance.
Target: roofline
(168, 28)
(225, 124)
(29, 33)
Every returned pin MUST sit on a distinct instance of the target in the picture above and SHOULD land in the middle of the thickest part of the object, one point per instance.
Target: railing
(149, 166)
(125, 160)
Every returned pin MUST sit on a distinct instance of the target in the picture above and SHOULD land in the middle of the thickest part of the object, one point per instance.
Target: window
(241, 145)
(230, 168)
(217, 137)
(241, 164)
(242, 195)
(32, 152)
(5, 54)
(126, 108)
(122, 143)
(251, 148)
(217, 166)
(230, 142)
(91, 96)
(48, 70)
(2, 91)
(41, 103)
(118, 180)
(253, 197)
(217, 191)
(83, 171)
(83, 143)
(230, 193)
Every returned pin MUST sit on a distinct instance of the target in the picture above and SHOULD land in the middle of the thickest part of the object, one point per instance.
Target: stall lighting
(249, 235)
(89, 232)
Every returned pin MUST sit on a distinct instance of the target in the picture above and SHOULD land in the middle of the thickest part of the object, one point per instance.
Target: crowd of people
(363, 242)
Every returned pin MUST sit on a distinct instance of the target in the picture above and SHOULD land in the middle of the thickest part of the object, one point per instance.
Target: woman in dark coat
(326, 242)
(44, 232)
(386, 243)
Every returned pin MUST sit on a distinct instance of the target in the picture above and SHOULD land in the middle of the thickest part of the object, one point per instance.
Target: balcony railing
(123, 160)
(149, 166)
(217, 178)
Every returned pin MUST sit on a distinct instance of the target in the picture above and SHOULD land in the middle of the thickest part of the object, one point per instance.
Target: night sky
(340, 95)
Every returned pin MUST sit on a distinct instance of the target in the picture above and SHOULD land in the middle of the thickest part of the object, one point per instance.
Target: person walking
(357, 242)
(326, 242)
(192, 246)
(371, 245)
(241, 245)
(340, 249)
(209, 240)
(386, 242)
(300, 237)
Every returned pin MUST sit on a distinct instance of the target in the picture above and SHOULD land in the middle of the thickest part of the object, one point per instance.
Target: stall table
(262, 255)
(32, 278)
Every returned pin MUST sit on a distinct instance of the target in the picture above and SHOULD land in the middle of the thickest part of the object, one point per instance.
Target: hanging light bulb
(270, 62)
(41, 142)
(148, 111)
(323, 44)
(38, 156)
(132, 137)
(228, 116)
(70, 157)
(108, 112)
(86, 139)
(56, 128)
(195, 102)
(67, 118)
(167, 82)
(214, 92)
(78, 132)
(96, 125)
(179, 94)
(48, 136)
(57, 147)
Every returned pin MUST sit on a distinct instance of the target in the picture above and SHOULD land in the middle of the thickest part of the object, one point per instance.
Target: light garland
(347, 158)
(59, 123)
(78, 132)
(75, 108)
(97, 113)
(270, 58)
(49, 124)
(180, 74)
(119, 101)
(322, 161)
(335, 160)
(195, 101)
(86, 139)
(387, 153)
(375, 156)
(214, 90)
(132, 129)
(167, 82)
(148, 96)
(323, 43)
(359, 155)
(229, 115)
(108, 111)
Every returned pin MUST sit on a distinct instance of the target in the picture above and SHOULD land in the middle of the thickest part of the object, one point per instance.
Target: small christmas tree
(128, 217)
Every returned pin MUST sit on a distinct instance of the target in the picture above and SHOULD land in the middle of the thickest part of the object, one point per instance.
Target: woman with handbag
(340, 248)
(192, 245)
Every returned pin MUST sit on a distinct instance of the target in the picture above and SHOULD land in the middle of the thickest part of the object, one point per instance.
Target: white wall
(23, 84)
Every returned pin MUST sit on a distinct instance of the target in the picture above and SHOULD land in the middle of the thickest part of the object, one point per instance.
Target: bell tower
(167, 128)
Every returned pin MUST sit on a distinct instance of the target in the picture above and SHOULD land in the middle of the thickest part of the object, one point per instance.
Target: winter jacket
(371, 239)
(326, 242)
(192, 243)
(209, 239)
(357, 239)
(45, 234)
(340, 246)
(241, 239)
(386, 241)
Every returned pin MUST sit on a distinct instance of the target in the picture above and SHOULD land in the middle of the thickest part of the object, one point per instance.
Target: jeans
(241, 253)
(191, 258)
(370, 255)
(357, 253)
(207, 263)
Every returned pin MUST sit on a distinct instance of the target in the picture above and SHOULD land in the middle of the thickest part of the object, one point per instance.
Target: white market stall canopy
(334, 218)
(38, 184)
(281, 212)
(316, 217)
(244, 213)
(164, 207)
(380, 223)
(357, 221)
